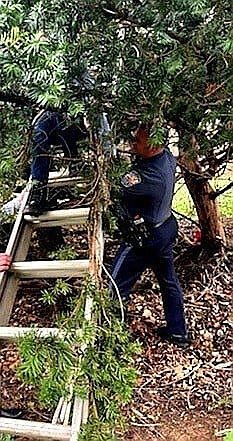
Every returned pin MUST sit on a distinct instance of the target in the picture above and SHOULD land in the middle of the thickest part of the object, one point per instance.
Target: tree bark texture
(213, 236)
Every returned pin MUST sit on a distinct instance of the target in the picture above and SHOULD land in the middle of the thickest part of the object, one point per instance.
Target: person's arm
(135, 184)
(5, 262)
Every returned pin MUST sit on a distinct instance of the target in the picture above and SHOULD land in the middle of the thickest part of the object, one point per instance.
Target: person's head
(141, 145)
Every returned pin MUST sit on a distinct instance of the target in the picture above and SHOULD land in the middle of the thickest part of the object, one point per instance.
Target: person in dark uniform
(149, 230)
(50, 128)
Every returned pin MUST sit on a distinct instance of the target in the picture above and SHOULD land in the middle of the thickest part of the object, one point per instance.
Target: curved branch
(222, 190)
(202, 176)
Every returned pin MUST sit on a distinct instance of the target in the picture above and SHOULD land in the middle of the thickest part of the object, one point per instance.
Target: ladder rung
(74, 216)
(61, 182)
(62, 173)
(31, 429)
(11, 333)
(46, 268)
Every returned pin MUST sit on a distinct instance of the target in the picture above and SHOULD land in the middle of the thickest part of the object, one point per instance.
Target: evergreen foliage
(4, 437)
(95, 357)
(153, 61)
(66, 252)
(14, 126)
(51, 295)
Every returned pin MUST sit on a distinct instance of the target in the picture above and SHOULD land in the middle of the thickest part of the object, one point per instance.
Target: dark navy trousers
(44, 134)
(157, 254)
(50, 130)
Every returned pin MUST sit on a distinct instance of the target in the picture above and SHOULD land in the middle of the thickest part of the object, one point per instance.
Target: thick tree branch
(176, 36)
(201, 176)
(19, 100)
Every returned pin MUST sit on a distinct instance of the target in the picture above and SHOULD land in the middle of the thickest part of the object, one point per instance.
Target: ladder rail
(18, 248)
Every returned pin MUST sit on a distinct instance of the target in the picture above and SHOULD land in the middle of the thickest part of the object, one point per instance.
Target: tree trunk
(213, 236)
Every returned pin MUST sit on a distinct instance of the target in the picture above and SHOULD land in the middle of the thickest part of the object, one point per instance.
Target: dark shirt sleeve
(153, 189)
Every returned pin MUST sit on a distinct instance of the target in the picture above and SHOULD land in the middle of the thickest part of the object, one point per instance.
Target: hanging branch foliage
(104, 371)
(152, 62)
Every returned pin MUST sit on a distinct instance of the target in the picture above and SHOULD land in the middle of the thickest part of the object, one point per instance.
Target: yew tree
(167, 63)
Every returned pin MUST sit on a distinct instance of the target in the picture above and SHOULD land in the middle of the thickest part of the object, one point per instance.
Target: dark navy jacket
(147, 189)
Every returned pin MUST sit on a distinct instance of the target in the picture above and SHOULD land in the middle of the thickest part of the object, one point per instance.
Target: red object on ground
(197, 236)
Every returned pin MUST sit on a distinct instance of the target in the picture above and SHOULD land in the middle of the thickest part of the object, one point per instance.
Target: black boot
(37, 199)
(11, 413)
(183, 341)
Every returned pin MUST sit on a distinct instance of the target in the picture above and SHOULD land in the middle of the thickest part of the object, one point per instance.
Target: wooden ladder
(68, 416)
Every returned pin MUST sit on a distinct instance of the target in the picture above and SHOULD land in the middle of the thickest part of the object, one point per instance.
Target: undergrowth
(66, 252)
(60, 290)
(95, 357)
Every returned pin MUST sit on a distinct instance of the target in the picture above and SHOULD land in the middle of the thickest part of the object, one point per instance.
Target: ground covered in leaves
(181, 395)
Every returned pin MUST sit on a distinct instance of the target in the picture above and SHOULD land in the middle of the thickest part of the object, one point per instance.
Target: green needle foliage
(4, 437)
(167, 63)
(60, 289)
(152, 61)
(66, 252)
(96, 357)
(14, 126)
(46, 364)
(116, 170)
(97, 431)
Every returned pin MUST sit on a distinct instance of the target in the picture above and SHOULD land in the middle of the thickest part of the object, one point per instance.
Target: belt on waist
(158, 224)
